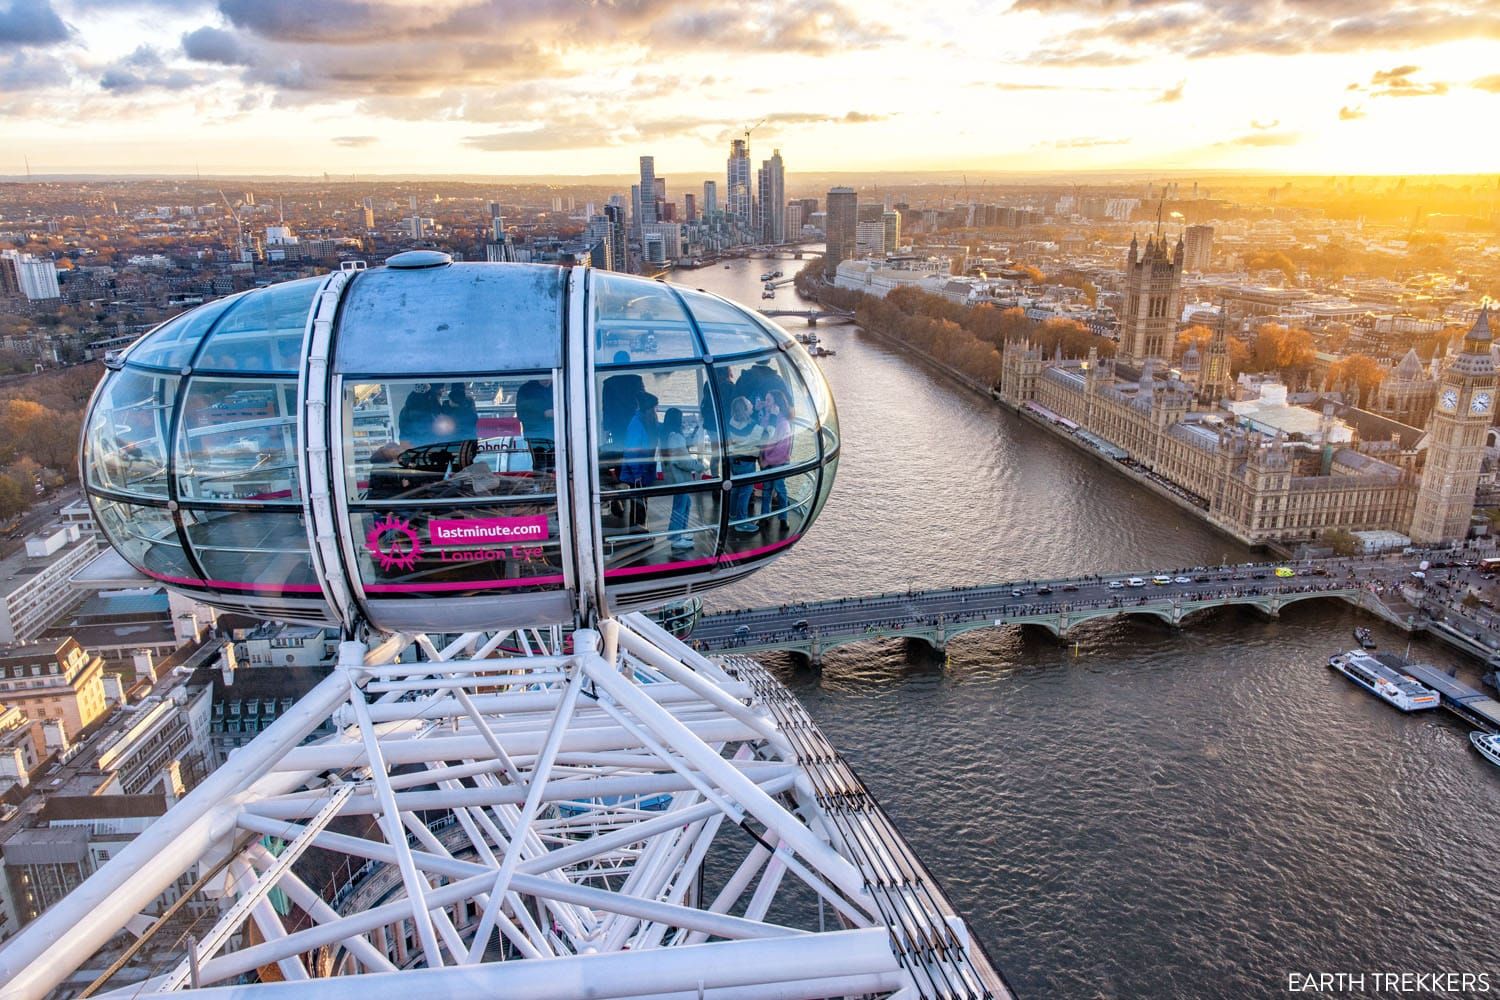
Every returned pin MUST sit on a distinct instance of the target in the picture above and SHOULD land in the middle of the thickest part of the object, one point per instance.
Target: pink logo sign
(393, 543)
(488, 530)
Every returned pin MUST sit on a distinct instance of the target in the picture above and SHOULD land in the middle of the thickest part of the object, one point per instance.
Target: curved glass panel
(238, 440)
(771, 421)
(468, 439)
(126, 439)
(664, 532)
(638, 321)
(172, 344)
(775, 330)
(452, 320)
(769, 512)
(639, 411)
(264, 334)
(262, 551)
(456, 551)
(146, 537)
(817, 386)
(726, 329)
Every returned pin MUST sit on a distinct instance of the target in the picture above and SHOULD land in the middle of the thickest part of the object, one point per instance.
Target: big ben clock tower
(1455, 441)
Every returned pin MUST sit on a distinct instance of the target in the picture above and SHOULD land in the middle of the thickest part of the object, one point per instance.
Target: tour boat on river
(1386, 683)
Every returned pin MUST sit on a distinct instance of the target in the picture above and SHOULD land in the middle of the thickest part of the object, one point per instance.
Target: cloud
(1383, 76)
(1265, 125)
(1264, 139)
(861, 117)
(1208, 28)
(26, 71)
(1490, 83)
(1172, 94)
(354, 141)
(30, 22)
(144, 69)
(1348, 114)
(214, 45)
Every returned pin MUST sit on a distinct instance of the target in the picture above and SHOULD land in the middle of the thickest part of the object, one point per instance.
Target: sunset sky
(574, 87)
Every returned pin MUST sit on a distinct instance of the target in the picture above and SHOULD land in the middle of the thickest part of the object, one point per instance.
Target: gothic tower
(1213, 385)
(1455, 440)
(1153, 301)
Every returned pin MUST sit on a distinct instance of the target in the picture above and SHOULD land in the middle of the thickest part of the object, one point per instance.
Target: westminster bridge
(932, 618)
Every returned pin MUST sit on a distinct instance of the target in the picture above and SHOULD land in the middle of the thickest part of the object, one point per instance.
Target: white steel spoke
(569, 802)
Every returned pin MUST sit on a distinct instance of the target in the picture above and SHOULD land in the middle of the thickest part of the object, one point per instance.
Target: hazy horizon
(508, 88)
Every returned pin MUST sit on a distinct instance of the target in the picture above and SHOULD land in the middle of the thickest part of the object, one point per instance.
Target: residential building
(29, 276)
(892, 221)
(710, 199)
(34, 585)
(54, 681)
(1198, 244)
(770, 196)
(738, 195)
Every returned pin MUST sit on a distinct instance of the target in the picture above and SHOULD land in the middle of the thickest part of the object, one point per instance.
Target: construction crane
(752, 128)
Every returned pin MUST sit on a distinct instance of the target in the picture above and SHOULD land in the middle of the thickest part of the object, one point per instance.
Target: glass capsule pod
(441, 446)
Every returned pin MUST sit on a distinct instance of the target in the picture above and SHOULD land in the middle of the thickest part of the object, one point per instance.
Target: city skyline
(497, 88)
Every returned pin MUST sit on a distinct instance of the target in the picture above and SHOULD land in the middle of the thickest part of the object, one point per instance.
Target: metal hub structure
(523, 814)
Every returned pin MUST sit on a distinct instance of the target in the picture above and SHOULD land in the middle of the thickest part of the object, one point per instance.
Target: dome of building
(444, 446)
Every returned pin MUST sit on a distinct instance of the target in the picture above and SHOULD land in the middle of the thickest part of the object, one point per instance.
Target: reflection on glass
(251, 550)
(127, 434)
(238, 440)
(771, 421)
(664, 531)
(771, 510)
(637, 322)
(480, 438)
(264, 334)
(634, 409)
(726, 329)
(450, 551)
(817, 386)
(172, 345)
(145, 536)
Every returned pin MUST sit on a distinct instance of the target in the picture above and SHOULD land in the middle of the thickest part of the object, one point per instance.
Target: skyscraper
(648, 191)
(602, 230)
(792, 217)
(1455, 440)
(843, 211)
(710, 199)
(738, 197)
(1199, 244)
(690, 207)
(497, 223)
(615, 213)
(770, 197)
(892, 221)
(1152, 301)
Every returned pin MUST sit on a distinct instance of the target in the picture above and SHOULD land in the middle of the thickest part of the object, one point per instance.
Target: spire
(1479, 334)
(1410, 367)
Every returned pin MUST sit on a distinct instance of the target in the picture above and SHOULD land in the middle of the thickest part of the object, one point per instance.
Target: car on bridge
(1182, 579)
(1116, 585)
(1135, 581)
(1161, 581)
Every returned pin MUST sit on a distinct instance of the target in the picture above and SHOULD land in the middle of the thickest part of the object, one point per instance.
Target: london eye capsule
(448, 446)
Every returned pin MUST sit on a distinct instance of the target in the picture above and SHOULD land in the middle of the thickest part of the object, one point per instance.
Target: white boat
(1488, 745)
(1386, 683)
(767, 276)
(768, 295)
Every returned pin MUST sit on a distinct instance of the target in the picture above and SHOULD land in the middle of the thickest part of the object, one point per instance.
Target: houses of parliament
(1258, 466)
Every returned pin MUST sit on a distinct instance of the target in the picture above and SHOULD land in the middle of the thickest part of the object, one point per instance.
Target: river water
(1143, 813)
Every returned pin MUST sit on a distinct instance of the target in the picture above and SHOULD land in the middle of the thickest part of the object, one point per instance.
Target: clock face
(1480, 403)
(1450, 399)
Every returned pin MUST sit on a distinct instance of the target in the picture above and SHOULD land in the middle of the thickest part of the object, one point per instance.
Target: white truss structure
(528, 820)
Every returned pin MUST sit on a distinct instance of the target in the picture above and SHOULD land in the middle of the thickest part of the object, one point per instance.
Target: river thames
(1143, 813)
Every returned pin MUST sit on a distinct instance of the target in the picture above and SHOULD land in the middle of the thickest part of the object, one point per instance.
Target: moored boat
(1386, 683)
(1488, 745)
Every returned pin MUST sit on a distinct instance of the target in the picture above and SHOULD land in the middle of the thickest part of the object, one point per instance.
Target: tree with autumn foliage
(1358, 375)
(1283, 349)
